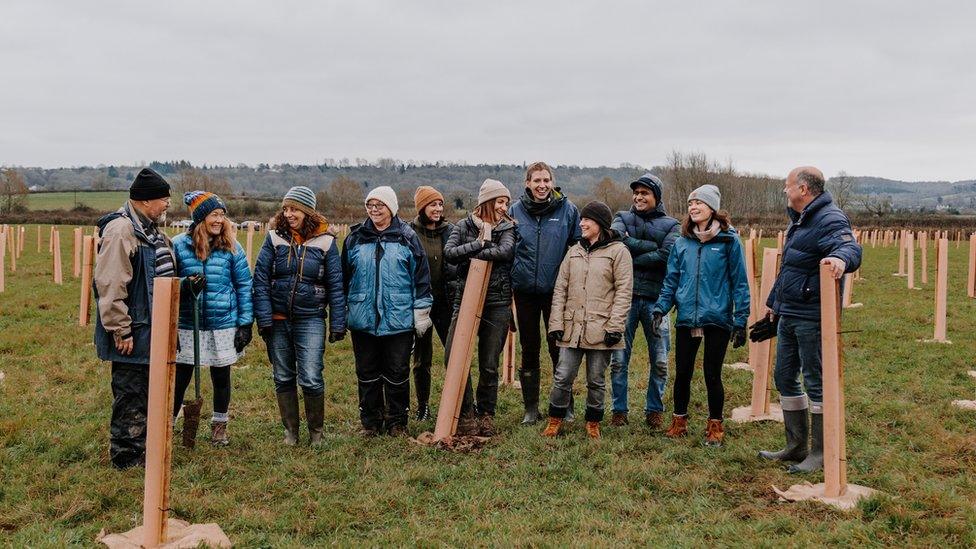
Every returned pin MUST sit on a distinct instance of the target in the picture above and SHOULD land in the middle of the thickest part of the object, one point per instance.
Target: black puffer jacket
(464, 245)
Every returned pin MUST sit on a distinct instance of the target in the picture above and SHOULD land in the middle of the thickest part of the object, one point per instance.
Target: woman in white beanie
(706, 282)
(488, 233)
(388, 291)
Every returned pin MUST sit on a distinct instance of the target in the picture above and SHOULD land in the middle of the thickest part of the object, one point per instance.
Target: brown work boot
(552, 428)
(593, 429)
(714, 433)
(467, 426)
(486, 427)
(619, 419)
(398, 431)
(679, 426)
(218, 433)
(654, 420)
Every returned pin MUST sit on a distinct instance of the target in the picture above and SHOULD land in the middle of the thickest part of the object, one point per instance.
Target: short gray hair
(814, 182)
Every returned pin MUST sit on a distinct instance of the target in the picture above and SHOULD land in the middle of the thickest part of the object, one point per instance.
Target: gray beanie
(300, 197)
(709, 194)
(492, 189)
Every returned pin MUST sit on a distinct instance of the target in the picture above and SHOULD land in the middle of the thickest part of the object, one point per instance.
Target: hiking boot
(218, 433)
(423, 412)
(619, 419)
(679, 426)
(368, 432)
(288, 408)
(815, 459)
(398, 431)
(654, 420)
(315, 416)
(552, 428)
(486, 427)
(467, 426)
(714, 433)
(593, 429)
(795, 424)
(532, 416)
(570, 416)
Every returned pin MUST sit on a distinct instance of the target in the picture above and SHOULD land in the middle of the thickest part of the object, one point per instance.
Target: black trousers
(220, 377)
(383, 371)
(127, 430)
(685, 350)
(529, 310)
(492, 332)
(423, 349)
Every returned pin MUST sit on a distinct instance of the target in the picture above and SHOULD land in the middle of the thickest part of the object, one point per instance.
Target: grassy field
(630, 488)
(101, 201)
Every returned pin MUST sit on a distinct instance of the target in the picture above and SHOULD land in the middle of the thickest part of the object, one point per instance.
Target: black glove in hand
(266, 332)
(242, 337)
(612, 338)
(336, 336)
(763, 329)
(656, 324)
(738, 337)
(195, 284)
(556, 335)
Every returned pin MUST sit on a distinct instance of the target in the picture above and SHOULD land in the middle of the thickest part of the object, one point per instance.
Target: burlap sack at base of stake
(179, 534)
(807, 491)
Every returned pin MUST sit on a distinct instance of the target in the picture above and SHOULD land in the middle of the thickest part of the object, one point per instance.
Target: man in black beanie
(131, 252)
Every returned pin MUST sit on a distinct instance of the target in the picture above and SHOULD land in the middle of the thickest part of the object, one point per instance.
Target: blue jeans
(798, 351)
(641, 310)
(295, 350)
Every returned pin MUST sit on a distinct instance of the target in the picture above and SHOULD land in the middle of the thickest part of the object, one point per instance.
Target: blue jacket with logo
(707, 282)
(226, 302)
(542, 243)
(387, 277)
(820, 230)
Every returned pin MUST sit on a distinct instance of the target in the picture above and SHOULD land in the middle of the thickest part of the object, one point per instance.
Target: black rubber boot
(288, 408)
(814, 461)
(315, 416)
(795, 424)
(530, 395)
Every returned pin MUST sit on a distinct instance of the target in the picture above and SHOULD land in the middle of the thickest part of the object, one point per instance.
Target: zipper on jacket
(538, 241)
(299, 268)
(378, 255)
(698, 281)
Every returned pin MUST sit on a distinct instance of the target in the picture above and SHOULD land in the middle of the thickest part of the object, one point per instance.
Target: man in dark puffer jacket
(819, 233)
(649, 235)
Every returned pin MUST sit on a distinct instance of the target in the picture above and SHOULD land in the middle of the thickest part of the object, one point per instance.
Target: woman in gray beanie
(488, 233)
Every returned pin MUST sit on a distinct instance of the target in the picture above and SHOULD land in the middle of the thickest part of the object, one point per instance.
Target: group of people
(580, 280)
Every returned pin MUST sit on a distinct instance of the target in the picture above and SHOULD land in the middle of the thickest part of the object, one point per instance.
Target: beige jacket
(592, 295)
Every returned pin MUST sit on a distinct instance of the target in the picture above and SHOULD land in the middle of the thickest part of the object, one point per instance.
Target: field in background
(101, 201)
(630, 488)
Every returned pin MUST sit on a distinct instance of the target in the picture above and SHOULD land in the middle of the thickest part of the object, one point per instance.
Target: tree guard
(56, 257)
(761, 356)
(910, 256)
(87, 269)
(971, 278)
(941, 292)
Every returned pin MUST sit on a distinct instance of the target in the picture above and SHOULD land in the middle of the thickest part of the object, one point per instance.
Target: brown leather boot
(467, 426)
(619, 419)
(552, 428)
(679, 427)
(593, 429)
(486, 427)
(218, 433)
(654, 420)
(714, 433)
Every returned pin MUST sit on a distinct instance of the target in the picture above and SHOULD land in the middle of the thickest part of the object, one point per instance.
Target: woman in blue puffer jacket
(298, 274)
(210, 248)
(707, 282)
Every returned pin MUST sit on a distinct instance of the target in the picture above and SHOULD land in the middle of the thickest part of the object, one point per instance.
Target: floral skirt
(216, 347)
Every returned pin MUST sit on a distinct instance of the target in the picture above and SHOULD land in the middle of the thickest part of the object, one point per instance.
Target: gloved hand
(763, 329)
(656, 324)
(242, 337)
(195, 284)
(738, 337)
(266, 332)
(556, 335)
(336, 336)
(612, 338)
(422, 321)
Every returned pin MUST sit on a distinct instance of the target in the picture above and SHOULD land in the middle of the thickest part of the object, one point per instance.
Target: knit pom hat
(709, 194)
(201, 203)
(492, 189)
(424, 196)
(385, 195)
(598, 212)
(148, 185)
(302, 198)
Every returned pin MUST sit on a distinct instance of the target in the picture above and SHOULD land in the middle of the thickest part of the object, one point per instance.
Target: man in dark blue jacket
(649, 233)
(819, 233)
(548, 224)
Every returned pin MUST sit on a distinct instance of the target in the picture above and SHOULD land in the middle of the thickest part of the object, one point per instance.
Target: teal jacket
(707, 283)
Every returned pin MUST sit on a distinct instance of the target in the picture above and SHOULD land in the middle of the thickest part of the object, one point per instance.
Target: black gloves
(242, 337)
(738, 337)
(612, 338)
(556, 335)
(336, 336)
(763, 329)
(265, 332)
(656, 324)
(195, 284)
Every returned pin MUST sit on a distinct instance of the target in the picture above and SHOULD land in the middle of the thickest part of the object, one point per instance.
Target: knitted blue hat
(201, 203)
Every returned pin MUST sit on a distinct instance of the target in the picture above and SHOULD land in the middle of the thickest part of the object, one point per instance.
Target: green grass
(101, 201)
(630, 488)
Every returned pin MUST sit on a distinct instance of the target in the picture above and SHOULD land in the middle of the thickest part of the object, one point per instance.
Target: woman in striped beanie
(210, 248)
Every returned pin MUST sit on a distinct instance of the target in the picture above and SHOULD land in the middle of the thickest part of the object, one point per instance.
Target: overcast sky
(883, 88)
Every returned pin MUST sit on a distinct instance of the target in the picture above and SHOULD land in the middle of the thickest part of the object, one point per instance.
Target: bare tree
(877, 205)
(843, 188)
(13, 191)
(611, 194)
(343, 198)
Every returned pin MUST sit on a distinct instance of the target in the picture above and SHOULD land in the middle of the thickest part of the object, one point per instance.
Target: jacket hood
(556, 198)
(438, 230)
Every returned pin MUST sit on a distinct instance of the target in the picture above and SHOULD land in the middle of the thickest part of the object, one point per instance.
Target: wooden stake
(87, 268)
(754, 306)
(834, 438)
(941, 291)
(971, 279)
(10, 245)
(56, 250)
(780, 239)
(3, 259)
(250, 244)
(38, 239)
(761, 354)
(50, 241)
(901, 255)
(162, 360)
(923, 241)
(462, 347)
(910, 255)
(508, 356)
(77, 252)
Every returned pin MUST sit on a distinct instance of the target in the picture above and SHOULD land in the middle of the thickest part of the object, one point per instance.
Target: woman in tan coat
(589, 321)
